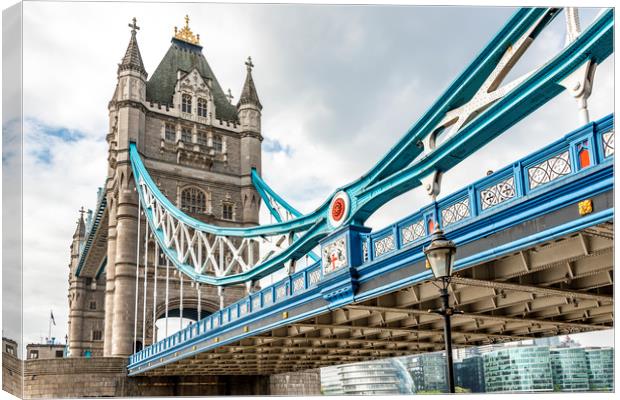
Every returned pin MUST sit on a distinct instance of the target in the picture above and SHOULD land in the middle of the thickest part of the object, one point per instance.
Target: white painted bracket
(432, 184)
(579, 85)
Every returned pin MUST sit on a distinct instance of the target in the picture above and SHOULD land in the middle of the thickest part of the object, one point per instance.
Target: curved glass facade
(516, 368)
(381, 377)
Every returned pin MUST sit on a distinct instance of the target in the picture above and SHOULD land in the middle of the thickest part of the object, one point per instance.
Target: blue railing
(581, 149)
(584, 148)
(292, 285)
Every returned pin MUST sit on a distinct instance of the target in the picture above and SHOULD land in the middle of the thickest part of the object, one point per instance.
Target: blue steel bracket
(341, 253)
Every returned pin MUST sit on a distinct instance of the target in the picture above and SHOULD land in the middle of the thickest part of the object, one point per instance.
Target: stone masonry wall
(107, 377)
(75, 377)
(304, 383)
(12, 374)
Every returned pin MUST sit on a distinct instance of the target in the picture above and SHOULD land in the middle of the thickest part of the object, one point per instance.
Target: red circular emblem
(338, 209)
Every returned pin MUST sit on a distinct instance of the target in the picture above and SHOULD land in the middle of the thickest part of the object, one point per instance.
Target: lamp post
(440, 257)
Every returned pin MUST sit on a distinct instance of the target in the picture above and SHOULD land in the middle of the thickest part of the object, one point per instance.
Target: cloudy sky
(339, 85)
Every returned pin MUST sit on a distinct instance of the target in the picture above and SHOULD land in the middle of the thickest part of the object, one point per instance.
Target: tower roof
(185, 56)
(132, 58)
(248, 93)
(80, 229)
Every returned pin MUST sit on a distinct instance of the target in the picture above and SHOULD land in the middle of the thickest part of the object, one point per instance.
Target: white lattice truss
(208, 253)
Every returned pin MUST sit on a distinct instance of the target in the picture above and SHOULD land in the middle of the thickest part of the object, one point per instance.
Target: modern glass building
(381, 377)
(518, 369)
(428, 372)
(600, 368)
(569, 369)
(469, 374)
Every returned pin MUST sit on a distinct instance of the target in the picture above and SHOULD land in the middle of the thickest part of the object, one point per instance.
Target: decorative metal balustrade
(551, 164)
(503, 189)
(290, 286)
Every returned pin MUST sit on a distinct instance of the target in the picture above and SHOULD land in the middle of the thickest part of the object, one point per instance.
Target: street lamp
(440, 257)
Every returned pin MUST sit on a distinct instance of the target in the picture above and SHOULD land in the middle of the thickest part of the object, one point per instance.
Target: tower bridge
(176, 232)
(537, 261)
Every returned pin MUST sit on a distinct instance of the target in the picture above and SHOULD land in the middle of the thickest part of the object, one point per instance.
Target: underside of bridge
(557, 287)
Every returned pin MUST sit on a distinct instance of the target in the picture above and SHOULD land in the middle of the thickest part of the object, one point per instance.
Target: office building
(518, 369)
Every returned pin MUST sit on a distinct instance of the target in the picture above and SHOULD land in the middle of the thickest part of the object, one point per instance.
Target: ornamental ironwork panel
(243, 309)
(549, 170)
(498, 193)
(455, 212)
(384, 245)
(267, 298)
(280, 292)
(256, 303)
(365, 250)
(315, 276)
(413, 232)
(334, 255)
(298, 283)
(608, 144)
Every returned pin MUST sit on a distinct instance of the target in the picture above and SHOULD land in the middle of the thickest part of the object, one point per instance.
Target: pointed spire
(132, 59)
(248, 94)
(80, 229)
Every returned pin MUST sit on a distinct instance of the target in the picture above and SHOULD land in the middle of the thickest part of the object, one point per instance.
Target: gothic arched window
(217, 143)
(193, 200)
(202, 107)
(186, 103)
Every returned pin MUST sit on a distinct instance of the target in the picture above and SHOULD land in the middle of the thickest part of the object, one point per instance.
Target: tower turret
(249, 106)
(131, 73)
(249, 113)
(77, 291)
(126, 108)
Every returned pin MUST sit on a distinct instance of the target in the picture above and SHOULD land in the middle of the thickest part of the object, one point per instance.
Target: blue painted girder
(392, 176)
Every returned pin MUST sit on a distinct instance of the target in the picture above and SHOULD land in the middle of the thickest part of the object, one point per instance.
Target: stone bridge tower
(200, 149)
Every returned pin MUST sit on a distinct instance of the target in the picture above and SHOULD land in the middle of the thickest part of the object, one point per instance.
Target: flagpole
(49, 333)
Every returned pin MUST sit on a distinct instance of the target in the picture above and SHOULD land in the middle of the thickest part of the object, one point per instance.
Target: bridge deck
(538, 263)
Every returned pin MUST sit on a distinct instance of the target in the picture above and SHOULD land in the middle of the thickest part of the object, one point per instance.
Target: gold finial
(185, 34)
